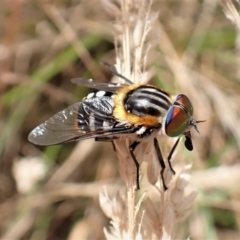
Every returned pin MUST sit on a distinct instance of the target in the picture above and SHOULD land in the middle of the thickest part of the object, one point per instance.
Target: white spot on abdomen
(90, 95)
(100, 93)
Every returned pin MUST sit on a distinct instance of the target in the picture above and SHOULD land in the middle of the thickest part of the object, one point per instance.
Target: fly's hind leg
(107, 139)
(131, 150)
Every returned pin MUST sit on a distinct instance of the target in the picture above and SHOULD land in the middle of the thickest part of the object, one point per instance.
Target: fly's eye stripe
(184, 100)
(179, 116)
(182, 107)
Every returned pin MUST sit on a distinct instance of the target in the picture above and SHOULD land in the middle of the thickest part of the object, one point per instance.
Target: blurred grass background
(45, 44)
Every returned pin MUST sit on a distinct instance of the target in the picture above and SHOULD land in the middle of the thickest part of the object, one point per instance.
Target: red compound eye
(176, 122)
(178, 116)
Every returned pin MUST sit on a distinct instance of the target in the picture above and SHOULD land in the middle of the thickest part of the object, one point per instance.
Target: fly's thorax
(119, 110)
(141, 105)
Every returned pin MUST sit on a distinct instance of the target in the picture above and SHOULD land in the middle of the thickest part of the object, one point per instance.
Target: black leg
(131, 149)
(114, 147)
(115, 72)
(106, 139)
(161, 161)
(170, 155)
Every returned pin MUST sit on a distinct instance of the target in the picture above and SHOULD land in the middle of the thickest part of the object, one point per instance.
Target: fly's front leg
(131, 149)
(161, 161)
(171, 154)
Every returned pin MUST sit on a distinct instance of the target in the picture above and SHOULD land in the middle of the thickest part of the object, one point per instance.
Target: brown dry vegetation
(43, 44)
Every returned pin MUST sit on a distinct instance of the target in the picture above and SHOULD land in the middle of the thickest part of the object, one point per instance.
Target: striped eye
(178, 116)
(184, 100)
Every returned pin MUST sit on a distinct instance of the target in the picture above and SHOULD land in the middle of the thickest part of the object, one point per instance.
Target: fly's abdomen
(96, 111)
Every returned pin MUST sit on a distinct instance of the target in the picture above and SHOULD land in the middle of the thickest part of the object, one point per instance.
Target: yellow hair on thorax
(122, 115)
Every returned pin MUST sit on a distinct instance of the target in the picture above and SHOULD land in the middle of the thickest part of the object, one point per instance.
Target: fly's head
(179, 120)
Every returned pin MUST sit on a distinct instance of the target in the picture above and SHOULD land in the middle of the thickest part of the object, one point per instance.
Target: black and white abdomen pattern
(96, 111)
(147, 100)
(98, 94)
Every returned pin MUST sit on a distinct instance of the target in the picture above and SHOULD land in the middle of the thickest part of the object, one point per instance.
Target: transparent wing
(109, 87)
(87, 119)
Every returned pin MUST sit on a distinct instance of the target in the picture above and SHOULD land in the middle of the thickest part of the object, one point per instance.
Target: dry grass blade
(133, 42)
(231, 12)
(71, 36)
